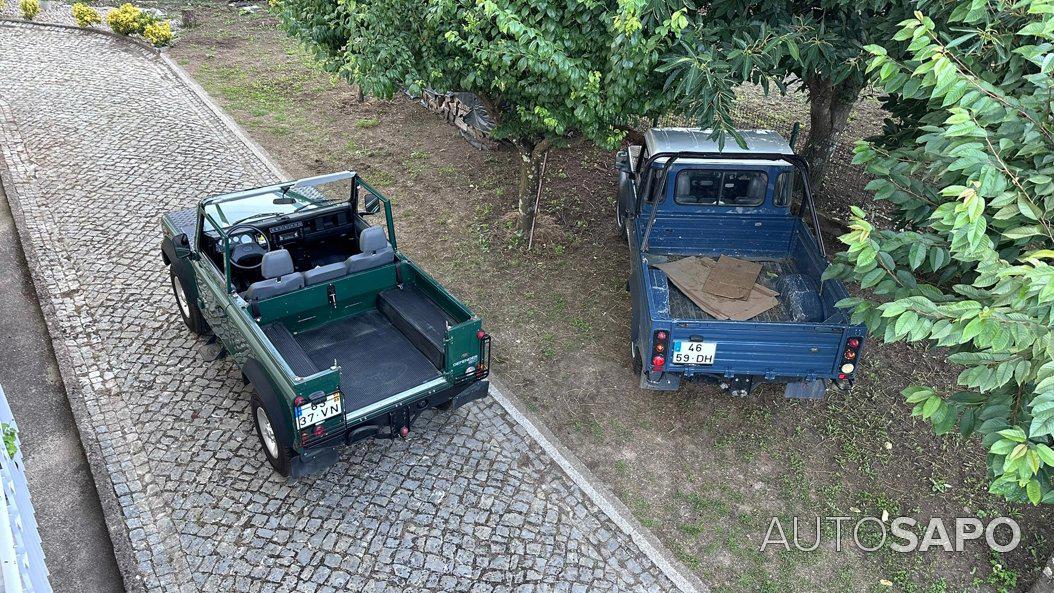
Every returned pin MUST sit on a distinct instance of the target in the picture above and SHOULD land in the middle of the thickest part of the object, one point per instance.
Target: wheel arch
(181, 267)
(269, 395)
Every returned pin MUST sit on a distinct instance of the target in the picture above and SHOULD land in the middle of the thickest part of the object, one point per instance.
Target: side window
(651, 185)
(789, 191)
(781, 195)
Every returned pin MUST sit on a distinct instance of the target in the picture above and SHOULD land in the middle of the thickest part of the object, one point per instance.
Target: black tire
(620, 222)
(281, 458)
(187, 308)
(638, 362)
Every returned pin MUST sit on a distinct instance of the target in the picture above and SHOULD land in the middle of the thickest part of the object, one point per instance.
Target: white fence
(21, 557)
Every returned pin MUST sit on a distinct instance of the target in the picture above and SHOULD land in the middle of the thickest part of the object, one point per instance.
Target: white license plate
(309, 414)
(691, 352)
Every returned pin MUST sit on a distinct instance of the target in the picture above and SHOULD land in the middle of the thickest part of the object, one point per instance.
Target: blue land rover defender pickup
(682, 195)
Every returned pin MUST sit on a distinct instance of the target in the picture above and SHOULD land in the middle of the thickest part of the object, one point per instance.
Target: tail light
(320, 431)
(849, 354)
(659, 347)
(483, 366)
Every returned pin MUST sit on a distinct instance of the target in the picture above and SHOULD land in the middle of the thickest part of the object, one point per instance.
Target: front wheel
(278, 454)
(187, 308)
(620, 222)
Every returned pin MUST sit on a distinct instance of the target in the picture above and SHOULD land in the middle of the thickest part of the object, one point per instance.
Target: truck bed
(798, 295)
(375, 358)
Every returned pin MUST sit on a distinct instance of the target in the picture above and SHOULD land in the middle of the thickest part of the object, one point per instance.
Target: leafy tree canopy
(543, 68)
(816, 45)
(967, 164)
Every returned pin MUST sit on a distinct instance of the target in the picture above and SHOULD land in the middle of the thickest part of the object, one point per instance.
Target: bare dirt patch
(704, 470)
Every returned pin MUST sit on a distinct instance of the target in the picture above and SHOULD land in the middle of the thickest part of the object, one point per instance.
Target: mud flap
(664, 382)
(814, 389)
(477, 390)
(311, 462)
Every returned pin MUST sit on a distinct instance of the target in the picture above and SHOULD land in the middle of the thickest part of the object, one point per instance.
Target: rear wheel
(187, 308)
(278, 454)
(638, 362)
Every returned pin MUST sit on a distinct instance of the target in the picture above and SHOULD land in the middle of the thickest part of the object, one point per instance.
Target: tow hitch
(400, 421)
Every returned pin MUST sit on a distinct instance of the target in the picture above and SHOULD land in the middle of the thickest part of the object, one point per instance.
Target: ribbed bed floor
(376, 360)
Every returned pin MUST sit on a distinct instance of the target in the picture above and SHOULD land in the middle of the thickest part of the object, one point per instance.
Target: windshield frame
(207, 219)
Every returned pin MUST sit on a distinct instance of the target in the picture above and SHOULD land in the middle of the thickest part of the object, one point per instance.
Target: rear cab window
(713, 187)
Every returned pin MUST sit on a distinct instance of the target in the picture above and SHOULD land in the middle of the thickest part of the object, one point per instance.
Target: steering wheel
(248, 246)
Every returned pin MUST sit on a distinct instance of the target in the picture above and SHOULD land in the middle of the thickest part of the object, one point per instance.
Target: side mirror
(622, 161)
(372, 205)
(182, 246)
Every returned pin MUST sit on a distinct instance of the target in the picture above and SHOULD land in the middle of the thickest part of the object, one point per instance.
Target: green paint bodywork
(238, 326)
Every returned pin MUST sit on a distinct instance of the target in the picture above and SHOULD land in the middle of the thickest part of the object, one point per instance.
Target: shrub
(158, 33)
(124, 20)
(967, 265)
(144, 20)
(85, 15)
(30, 9)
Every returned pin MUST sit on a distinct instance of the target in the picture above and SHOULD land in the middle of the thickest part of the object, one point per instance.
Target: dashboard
(319, 227)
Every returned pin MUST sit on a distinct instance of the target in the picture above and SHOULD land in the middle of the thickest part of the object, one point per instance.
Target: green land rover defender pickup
(341, 336)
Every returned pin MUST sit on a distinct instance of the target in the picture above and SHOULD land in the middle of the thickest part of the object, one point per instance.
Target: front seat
(755, 191)
(683, 188)
(376, 251)
(279, 277)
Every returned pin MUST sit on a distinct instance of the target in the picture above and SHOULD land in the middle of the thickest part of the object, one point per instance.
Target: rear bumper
(670, 380)
(323, 454)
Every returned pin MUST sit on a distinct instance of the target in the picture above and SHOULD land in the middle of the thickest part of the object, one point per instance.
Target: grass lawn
(704, 470)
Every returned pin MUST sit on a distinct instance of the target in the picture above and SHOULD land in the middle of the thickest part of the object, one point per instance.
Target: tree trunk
(829, 108)
(531, 157)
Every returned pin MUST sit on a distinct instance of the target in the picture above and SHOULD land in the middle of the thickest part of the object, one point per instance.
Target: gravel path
(99, 139)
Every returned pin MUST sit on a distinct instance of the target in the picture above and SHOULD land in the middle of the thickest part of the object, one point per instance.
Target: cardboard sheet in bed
(690, 275)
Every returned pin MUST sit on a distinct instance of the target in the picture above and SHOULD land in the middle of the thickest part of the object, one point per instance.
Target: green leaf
(917, 255)
(1033, 490)
(916, 394)
(1046, 454)
(931, 406)
(1003, 447)
(1022, 232)
(872, 278)
(1014, 434)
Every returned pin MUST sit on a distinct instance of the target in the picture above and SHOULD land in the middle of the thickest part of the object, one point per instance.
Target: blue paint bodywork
(809, 347)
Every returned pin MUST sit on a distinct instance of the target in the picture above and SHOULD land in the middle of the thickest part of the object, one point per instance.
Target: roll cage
(645, 165)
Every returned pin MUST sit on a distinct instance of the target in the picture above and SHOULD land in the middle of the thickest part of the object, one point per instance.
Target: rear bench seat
(418, 318)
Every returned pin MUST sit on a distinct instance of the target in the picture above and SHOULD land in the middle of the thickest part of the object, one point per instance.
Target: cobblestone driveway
(100, 139)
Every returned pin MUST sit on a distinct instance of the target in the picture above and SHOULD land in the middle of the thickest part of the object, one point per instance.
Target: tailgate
(765, 349)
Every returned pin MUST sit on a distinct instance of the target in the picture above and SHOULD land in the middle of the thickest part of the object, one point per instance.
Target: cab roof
(698, 140)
